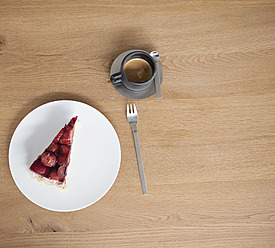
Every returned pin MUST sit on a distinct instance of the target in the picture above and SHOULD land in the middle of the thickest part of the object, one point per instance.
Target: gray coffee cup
(132, 78)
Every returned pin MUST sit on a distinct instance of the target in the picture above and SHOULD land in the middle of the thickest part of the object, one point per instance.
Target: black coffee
(138, 70)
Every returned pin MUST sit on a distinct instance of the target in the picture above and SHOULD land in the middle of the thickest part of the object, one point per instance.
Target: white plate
(95, 157)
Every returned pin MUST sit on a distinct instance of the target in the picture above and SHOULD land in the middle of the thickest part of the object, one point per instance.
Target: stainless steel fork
(132, 118)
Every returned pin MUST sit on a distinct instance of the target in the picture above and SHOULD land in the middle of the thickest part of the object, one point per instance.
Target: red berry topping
(63, 149)
(58, 136)
(67, 137)
(72, 121)
(53, 147)
(54, 176)
(61, 172)
(39, 168)
(53, 162)
(63, 160)
(48, 159)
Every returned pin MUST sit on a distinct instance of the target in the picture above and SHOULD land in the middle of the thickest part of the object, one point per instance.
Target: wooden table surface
(208, 146)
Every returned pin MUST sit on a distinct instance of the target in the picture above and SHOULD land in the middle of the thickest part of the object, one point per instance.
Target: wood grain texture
(208, 146)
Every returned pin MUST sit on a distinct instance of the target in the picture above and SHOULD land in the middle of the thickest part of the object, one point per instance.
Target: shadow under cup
(137, 71)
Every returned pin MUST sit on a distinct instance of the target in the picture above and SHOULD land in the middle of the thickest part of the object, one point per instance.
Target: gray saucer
(135, 95)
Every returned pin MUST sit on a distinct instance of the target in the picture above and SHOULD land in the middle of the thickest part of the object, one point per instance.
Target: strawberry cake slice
(52, 165)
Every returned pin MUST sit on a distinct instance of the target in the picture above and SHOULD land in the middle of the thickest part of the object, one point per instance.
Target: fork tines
(131, 108)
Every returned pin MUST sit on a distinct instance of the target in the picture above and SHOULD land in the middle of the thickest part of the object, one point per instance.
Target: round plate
(121, 89)
(95, 156)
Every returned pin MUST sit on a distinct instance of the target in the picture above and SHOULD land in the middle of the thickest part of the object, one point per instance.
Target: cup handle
(155, 55)
(116, 79)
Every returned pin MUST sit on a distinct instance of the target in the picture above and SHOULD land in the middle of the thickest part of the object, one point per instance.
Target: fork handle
(139, 160)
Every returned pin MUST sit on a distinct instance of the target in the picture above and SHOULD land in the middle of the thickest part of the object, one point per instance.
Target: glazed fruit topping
(61, 172)
(72, 121)
(48, 159)
(58, 136)
(67, 137)
(39, 168)
(53, 147)
(53, 162)
(64, 149)
(54, 176)
(63, 160)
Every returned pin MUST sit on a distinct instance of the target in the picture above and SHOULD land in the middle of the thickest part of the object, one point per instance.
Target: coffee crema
(138, 70)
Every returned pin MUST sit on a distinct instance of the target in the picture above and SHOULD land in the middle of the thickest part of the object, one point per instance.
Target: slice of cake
(52, 165)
